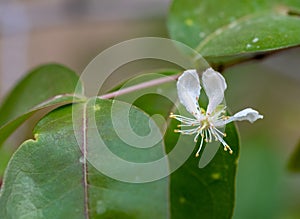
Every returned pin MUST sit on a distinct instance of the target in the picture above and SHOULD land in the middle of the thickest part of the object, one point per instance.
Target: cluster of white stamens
(203, 128)
(207, 123)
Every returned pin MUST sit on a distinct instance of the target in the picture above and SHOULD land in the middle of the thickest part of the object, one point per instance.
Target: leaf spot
(100, 207)
(189, 22)
(182, 200)
(236, 162)
(216, 176)
(97, 107)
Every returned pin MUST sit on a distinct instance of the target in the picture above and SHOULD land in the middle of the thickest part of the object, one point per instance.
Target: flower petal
(214, 85)
(188, 88)
(247, 114)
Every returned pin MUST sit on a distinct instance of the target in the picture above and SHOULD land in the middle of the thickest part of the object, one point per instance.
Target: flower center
(205, 124)
(203, 127)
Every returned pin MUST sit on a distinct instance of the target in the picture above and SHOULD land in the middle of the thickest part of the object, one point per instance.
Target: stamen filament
(204, 128)
(226, 146)
(206, 139)
(197, 135)
(201, 143)
(210, 137)
(224, 134)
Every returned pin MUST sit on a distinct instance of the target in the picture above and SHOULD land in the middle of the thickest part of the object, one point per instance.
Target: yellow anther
(172, 115)
(228, 148)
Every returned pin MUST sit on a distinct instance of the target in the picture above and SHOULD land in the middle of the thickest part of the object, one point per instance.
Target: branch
(139, 86)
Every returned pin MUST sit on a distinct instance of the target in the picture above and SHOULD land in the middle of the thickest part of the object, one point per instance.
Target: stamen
(203, 127)
(226, 146)
(197, 135)
(185, 125)
(187, 131)
(201, 143)
(224, 134)
(206, 139)
(230, 151)
(213, 133)
(210, 137)
(184, 119)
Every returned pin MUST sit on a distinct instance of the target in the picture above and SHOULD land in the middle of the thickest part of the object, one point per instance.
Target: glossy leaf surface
(49, 177)
(222, 29)
(45, 87)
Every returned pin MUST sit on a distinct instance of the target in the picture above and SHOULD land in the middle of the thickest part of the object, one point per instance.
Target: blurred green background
(72, 32)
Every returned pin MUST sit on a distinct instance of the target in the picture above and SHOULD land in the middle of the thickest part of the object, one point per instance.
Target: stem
(139, 86)
(158, 81)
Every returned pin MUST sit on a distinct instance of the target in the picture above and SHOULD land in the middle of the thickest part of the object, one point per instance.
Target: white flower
(207, 123)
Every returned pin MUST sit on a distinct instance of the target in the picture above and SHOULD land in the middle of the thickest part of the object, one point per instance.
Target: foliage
(50, 176)
(224, 31)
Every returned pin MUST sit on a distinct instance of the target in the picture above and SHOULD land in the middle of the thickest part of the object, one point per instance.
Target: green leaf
(48, 177)
(207, 192)
(7, 129)
(195, 192)
(260, 172)
(5, 156)
(46, 87)
(294, 162)
(222, 29)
